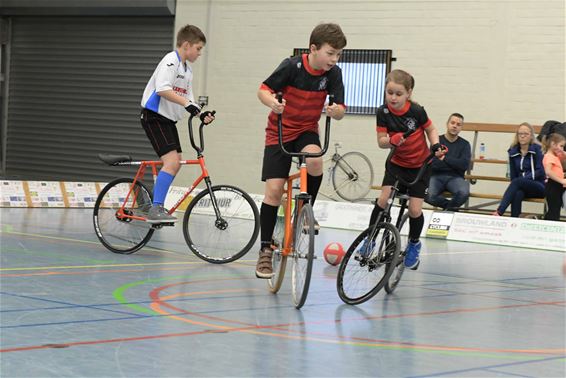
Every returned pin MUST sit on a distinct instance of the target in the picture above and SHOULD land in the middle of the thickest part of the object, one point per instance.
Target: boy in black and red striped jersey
(396, 117)
(305, 82)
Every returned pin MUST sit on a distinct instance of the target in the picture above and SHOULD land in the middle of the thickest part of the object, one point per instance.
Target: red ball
(333, 253)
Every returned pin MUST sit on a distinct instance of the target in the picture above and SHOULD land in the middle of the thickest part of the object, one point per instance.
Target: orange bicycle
(220, 225)
(294, 232)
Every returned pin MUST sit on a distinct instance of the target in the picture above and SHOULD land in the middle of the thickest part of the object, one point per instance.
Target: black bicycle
(375, 259)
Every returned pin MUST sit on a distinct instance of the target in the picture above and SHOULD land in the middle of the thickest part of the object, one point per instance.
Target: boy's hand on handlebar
(207, 117)
(396, 139)
(276, 106)
(193, 109)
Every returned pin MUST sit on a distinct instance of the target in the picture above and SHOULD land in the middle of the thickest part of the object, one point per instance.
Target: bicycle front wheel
(225, 238)
(278, 261)
(121, 234)
(352, 176)
(399, 268)
(303, 255)
(365, 267)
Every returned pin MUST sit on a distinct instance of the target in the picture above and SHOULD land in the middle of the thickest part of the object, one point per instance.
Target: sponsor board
(80, 194)
(12, 194)
(520, 232)
(45, 194)
(439, 224)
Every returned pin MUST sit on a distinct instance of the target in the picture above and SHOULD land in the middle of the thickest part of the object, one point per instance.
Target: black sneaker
(158, 214)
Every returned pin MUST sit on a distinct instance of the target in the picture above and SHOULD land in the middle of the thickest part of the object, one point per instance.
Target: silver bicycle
(351, 175)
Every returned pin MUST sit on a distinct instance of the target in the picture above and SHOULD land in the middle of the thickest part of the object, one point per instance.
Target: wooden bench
(495, 198)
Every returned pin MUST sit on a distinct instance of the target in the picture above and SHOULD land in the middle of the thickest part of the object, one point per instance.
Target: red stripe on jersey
(302, 112)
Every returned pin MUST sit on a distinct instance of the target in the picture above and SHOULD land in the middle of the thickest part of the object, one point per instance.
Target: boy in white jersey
(166, 97)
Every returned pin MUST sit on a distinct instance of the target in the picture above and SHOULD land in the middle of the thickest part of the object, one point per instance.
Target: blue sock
(161, 187)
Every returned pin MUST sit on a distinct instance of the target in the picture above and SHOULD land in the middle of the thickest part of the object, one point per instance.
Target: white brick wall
(493, 61)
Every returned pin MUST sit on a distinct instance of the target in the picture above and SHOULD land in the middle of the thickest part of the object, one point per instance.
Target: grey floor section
(71, 308)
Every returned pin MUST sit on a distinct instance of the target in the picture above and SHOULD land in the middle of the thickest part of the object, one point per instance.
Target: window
(363, 73)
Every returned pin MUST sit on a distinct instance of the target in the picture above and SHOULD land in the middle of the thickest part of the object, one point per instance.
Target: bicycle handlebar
(421, 170)
(304, 154)
(200, 148)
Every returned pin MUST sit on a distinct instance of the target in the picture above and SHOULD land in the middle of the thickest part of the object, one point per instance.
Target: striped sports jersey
(304, 90)
(173, 74)
(414, 151)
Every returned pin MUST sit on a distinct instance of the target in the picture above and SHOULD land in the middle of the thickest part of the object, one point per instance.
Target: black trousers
(553, 196)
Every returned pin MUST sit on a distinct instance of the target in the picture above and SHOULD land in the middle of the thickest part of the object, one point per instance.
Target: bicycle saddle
(114, 159)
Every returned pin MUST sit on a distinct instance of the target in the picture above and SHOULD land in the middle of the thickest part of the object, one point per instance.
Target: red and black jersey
(414, 151)
(304, 90)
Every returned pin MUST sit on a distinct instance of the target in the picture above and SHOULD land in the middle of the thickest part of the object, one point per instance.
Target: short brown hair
(191, 34)
(328, 33)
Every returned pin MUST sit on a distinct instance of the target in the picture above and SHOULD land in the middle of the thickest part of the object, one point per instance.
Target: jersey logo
(180, 76)
(386, 111)
(411, 124)
(170, 64)
(322, 84)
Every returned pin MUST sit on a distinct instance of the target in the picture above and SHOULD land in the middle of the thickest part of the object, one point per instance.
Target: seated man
(448, 171)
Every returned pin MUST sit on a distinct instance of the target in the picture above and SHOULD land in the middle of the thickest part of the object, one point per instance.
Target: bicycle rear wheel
(364, 271)
(352, 176)
(227, 238)
(279, 261)
(303, 255)
(399, 268)
(121, 234)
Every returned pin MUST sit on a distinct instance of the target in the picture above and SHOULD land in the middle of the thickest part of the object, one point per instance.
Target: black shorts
(161, 131)
(418, 190)
(276, 164)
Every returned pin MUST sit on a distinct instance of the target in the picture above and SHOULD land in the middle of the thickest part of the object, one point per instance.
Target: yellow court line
(103, 265)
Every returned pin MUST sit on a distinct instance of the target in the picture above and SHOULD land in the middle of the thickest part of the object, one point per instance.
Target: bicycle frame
(154, 164)
(301, 175)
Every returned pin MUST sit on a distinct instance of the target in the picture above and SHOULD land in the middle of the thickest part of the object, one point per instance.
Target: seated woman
(526, 171)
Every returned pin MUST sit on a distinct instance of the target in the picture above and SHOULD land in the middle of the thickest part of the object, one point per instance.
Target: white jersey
(173, 74)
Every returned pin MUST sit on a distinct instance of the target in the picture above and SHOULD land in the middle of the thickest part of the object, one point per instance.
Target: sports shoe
(158, 214)
(412, 255)
(366, 248)
(264, 268)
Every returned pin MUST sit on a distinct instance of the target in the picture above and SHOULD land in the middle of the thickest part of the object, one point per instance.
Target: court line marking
(159, 302)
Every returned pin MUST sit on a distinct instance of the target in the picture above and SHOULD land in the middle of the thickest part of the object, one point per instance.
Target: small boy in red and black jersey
(305, 82)
(396, 117)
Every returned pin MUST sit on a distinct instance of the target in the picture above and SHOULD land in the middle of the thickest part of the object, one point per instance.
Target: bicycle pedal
(157, 226)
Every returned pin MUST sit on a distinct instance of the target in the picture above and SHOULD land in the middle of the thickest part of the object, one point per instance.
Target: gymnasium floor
(71, 308)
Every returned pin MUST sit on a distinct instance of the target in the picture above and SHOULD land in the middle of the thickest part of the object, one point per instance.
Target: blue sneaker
(366, 248)
(412, 255)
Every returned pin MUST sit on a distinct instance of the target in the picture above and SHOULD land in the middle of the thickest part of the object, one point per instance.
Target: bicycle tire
(224, 240)
(399, 268)
(123, 236)
(362, 274)
(352, 176)
(278, 261)
(303, 255)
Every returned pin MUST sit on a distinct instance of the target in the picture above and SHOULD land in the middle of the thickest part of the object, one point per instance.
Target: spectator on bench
(448, 170)
(554, 189)
(525, 169)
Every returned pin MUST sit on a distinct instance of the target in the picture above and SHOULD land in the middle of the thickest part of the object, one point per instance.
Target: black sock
(375, 213)
(313, 185)
(267, 220)
(415, 228)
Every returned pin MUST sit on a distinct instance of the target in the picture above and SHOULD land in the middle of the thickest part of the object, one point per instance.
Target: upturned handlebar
(304, 154)
(200, 147)
(421, 170)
